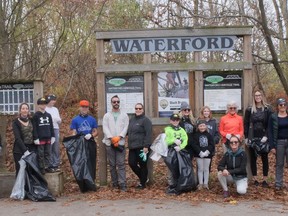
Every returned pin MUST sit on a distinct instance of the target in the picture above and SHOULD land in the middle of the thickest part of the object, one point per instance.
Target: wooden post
(198, 86)
(102, 158)
(247, 87)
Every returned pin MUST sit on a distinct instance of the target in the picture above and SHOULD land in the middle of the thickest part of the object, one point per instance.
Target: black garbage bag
(82, 157)
(180, 165)
(36, 186)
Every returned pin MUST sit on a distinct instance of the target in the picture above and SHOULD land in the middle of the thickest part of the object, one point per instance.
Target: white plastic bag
(18, 191)
(159, 147)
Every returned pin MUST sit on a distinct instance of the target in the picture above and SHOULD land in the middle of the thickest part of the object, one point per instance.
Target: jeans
(55, 150)
(281, 153)
(116, 161)
(138, 166)
(241, 184)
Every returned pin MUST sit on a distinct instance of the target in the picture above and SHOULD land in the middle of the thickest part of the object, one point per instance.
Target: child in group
(203, 147)
(43, 135)
(176, 137)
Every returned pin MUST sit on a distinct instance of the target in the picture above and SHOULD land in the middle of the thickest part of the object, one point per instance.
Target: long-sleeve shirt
(55, 116)
(172, 134)
(231, 124)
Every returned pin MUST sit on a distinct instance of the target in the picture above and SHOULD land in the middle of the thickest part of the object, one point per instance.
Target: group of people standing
(196, 136)
(39, 134)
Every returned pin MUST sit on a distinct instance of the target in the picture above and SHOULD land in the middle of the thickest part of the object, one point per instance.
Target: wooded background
(54, 40)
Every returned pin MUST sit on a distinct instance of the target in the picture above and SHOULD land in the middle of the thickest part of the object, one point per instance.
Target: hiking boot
(265, 184)
(226, 194)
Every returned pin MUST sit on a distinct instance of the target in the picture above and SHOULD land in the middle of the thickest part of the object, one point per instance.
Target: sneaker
(265, 184)
(49, 170)
(226, 194)
(206, 186)
(171, 191)
(200, 187)
(256, 183)
(140, 186)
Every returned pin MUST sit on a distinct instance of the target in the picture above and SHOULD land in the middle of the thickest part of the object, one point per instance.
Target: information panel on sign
(221, 88)
(128, 88)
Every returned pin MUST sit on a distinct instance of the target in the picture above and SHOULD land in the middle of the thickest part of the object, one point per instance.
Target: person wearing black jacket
(23, 135)
(139, 141)
(232, 167)
(43, 134)
(203, 149)
(256, 128)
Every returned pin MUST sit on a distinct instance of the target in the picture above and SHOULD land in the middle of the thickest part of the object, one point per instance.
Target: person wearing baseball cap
(43, 135)
(85, 124)
(176, 139)
(55, 148)
(278, 140)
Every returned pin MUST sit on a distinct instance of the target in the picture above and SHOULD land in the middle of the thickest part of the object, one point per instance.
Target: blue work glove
(143, 155)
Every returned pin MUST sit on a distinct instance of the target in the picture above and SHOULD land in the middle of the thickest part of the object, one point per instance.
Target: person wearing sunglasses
(231, 123)
(232, 167)
(278, 140)
(187, 122)
(115, 126)
(139, 141)
(256, 128)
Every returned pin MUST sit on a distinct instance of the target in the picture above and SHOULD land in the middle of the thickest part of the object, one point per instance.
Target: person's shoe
(278, 190)
(265, 184)
(256, 183)
(171, 191)
(49, 170)
(140, 186)
(123, 188)
(226, 194)
(206, 186)
(115, 186)
(42, 171)
(200, 187)
(56, 169)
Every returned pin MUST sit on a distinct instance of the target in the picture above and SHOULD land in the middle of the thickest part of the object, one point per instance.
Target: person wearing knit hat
(187, 122)
(55, 148)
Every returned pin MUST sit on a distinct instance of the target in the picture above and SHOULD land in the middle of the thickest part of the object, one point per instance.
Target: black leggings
(253, 162)
(138, 166)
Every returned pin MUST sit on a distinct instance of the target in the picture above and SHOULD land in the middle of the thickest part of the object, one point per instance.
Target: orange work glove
(115, 141)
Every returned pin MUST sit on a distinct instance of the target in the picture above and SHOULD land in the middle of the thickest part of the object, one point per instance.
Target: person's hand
(228, 136)
(145, 150)
(264, 139)
(177, 142)
(52, 140)
(88, 136)
(247, 142)
(26, 153)
(201, 154)
(143, 155)
(238, 136)
(273, 150)
(177, 148)
(115, 141)
(225, 172)
(37, 142)
(206, 153)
